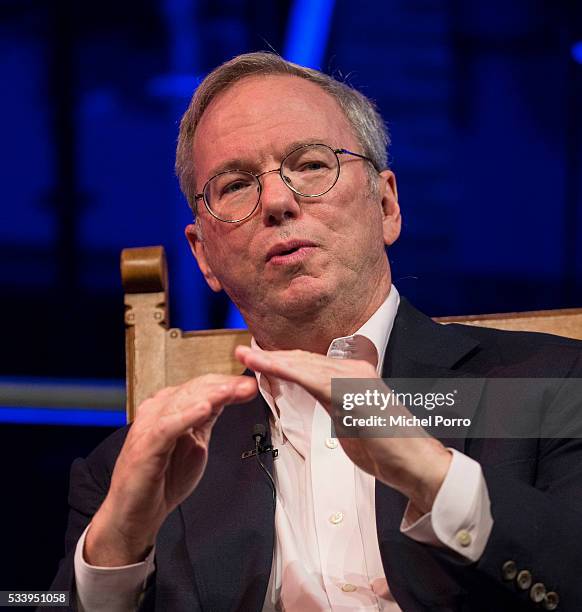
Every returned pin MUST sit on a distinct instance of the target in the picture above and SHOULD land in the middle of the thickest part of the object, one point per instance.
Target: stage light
(62, 416)
(308, 31)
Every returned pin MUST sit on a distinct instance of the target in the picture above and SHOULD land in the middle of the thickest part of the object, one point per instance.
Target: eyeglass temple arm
(348, 152)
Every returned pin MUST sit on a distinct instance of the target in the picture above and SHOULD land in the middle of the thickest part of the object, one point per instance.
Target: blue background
(484, 104)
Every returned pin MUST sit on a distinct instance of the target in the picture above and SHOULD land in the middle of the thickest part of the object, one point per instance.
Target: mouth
(289, 252)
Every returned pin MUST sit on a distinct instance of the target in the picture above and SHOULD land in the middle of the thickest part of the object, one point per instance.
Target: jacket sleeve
(534, 549)
(537, 530)
(89, 483)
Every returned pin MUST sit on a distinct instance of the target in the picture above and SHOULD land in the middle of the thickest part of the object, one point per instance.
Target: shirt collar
(376, 329)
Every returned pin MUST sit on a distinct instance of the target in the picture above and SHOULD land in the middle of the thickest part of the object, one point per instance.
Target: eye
(234, 187)
(311, 165)
(314, 165)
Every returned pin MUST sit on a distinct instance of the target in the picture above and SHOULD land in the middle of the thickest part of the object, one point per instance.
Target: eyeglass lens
(310, 171)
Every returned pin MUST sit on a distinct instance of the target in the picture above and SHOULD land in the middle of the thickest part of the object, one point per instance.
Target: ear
(199, 251)
(391, 219)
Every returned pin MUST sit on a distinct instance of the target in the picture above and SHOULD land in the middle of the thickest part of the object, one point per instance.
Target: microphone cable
(259, 436)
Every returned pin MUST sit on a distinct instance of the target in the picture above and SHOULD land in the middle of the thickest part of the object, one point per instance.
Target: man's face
(252, 126)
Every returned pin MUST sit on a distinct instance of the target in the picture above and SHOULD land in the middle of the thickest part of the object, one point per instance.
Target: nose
(278, 203)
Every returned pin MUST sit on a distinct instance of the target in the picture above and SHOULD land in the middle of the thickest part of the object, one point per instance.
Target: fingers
(313, 372)
(310, 370)
(307, 369)
(211, 386)
(175, 411)
(285, 364)
(219, 393)
(263, 361)
(172, 425)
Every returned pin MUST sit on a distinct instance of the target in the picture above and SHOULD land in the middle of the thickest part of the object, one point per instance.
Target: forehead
(259, 116)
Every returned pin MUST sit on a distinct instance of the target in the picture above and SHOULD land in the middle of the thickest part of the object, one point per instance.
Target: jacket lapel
(420, 348)
(229, 519)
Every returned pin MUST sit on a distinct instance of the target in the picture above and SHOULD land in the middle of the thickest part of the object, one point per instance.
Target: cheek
(354, 216)
(229, 254)
(358, 236)
(335, 214)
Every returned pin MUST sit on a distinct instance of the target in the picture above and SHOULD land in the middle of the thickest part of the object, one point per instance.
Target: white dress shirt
(326, 554)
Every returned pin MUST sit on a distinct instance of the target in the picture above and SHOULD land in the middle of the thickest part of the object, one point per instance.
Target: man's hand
(161, 462)
(415, 466)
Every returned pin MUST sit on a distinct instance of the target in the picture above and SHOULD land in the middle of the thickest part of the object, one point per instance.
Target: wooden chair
(158, 355)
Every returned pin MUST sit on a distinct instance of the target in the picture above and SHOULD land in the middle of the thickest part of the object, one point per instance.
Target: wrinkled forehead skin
(257, 118)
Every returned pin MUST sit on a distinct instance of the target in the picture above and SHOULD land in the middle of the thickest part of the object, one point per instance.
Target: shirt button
(336, 518)
(464, 538)
(331, 442)
(349, 588)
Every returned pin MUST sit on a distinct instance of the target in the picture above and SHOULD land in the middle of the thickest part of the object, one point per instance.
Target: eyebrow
(238, 163)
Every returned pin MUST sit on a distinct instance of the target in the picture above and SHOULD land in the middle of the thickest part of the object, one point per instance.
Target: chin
(304, 295)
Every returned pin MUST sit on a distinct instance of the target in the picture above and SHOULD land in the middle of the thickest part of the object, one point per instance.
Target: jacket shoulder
(519, 352)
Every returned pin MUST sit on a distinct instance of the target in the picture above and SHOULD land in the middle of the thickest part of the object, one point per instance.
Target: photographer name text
(349, 420)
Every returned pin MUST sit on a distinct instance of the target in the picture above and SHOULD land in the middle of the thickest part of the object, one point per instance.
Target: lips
(289, 247)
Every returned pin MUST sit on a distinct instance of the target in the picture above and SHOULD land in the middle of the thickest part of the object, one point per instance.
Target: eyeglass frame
(336, 152)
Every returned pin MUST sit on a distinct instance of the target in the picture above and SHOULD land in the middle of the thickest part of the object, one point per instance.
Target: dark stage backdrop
(484, 104)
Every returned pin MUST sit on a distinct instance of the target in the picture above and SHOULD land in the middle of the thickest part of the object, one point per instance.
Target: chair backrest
(565, 322)
(158, 355)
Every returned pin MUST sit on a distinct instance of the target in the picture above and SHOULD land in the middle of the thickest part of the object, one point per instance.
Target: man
(286, 171)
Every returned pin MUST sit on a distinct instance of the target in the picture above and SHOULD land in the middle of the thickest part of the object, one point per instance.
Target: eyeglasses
(309, 171)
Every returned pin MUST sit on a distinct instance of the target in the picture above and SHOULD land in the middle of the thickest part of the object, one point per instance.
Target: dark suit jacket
(214, 551)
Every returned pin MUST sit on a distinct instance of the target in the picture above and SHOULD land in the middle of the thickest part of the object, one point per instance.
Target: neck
(315, 331)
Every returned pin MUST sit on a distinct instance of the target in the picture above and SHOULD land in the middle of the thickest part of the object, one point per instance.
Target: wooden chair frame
(158, 355)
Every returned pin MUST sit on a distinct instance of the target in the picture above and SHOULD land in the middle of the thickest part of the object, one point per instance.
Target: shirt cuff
(460, 518)
(109, 589)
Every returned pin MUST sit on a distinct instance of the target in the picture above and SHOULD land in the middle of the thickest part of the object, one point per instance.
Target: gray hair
(366, 122)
